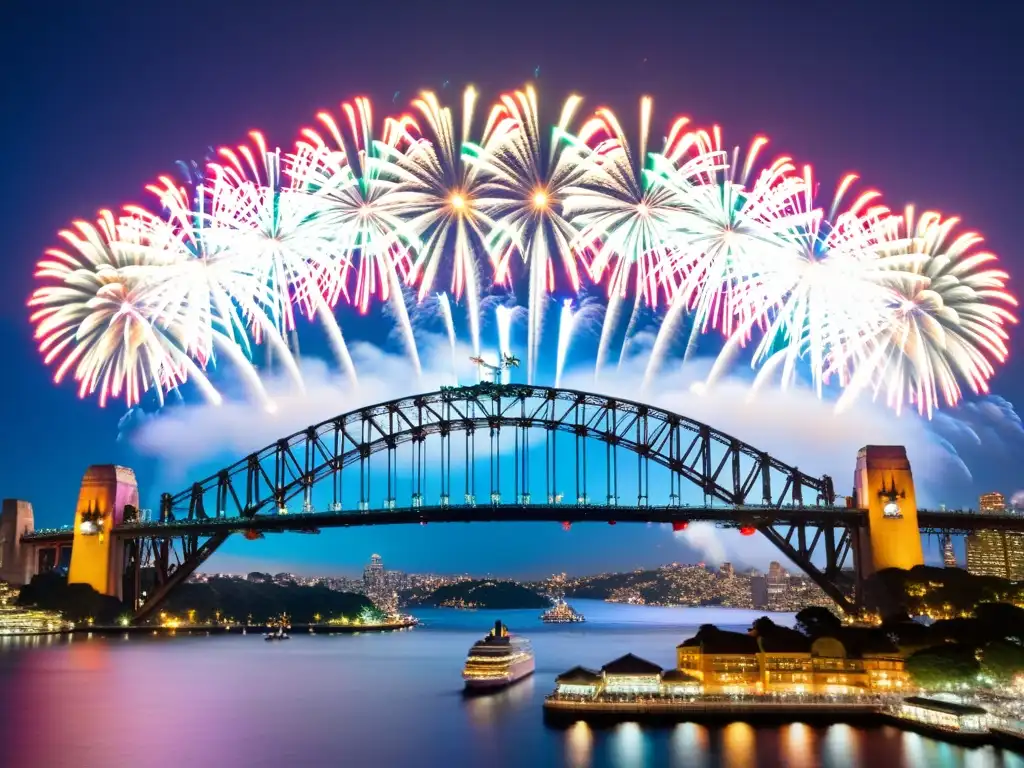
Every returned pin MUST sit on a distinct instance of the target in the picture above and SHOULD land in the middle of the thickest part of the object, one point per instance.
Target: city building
(994, 503)
(776, 581)
(759, 590)
(785, 661)
(722, 661)
(373, 573)
(377, 588)
(631, 675)
(578, 681)
(626, 677)
(948, 555)
(726, 570)
(995, 553)
(945, 714)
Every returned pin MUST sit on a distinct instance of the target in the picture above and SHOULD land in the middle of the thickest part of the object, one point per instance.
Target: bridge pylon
(96, 556)
(884, 486)
(16, 562)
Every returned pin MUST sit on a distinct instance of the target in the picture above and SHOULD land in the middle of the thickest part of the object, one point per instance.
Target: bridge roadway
(929, 521)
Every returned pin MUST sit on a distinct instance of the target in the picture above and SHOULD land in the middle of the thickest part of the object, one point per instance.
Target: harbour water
(378, 700)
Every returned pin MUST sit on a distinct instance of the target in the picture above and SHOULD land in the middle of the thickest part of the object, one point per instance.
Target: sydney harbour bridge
(491, 452)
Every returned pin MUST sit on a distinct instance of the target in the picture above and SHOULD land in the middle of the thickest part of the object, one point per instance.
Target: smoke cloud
(792, 425)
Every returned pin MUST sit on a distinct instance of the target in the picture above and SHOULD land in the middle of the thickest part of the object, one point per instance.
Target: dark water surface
(388, 700)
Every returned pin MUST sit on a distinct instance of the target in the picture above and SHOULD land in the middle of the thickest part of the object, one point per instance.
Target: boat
(498, 660)
(561, 613)
(278, 634)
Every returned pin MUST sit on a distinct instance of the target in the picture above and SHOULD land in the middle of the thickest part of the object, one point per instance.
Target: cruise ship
(498, 660)
(561, 613)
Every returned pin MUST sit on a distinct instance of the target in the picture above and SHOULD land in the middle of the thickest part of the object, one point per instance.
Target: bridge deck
(930, 521)
(733, 517)
(49, 536)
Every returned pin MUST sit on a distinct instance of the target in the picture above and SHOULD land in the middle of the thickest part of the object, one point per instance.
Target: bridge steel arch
(741, 485)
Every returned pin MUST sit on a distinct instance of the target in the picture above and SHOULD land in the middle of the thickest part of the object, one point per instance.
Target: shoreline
(220, 629)
(604, 714)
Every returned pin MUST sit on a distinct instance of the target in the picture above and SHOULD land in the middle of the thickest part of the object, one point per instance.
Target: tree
(1000, 620)
(1002, 660)
(763, 626)
(944, 666)
(816, 621)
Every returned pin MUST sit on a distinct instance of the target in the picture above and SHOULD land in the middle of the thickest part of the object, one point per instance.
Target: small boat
(561, 613)
(498, 660)
(278, 634)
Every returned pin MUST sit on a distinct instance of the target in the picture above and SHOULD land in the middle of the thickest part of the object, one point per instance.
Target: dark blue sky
(923, 100)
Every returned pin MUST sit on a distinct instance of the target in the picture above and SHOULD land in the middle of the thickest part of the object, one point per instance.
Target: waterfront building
(627, 676)
(995, 553)
(675, 682)
(945, 714)
(723, 661)
(783, 660)
(578, 681)
(630, 675)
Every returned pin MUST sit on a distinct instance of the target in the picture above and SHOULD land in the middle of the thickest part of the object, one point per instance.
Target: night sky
(922, 100)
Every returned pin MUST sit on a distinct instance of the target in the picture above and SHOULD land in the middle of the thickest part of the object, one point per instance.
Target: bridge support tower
(884, 486)
(17, 564)
(96, 557)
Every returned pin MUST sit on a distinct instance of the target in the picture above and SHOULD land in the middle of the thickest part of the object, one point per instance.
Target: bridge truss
(497, 452)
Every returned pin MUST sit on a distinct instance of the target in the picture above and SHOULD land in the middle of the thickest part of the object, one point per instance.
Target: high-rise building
(376, 587)
(995, 553)
(776, 583)
(373, 574)
(992, 503)
(726, 570)
(759, 590)
(1014, 543)
(948, 555)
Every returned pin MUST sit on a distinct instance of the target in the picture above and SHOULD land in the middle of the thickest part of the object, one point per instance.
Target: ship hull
(516, 672)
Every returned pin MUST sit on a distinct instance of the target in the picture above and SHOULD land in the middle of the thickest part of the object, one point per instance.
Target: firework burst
(526, 175)
(94, 319)
(350, 178)
(439, 197)
(947, 320)
(270, 224)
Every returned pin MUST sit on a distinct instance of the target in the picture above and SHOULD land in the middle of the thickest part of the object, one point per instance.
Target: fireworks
(726, 243)
(527, 176)
(946, 322)
(103, 324)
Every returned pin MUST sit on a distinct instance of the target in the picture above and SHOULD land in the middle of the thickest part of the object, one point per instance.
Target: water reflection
(689, 746)
(579, 745)
(487, 708)
(798, 746)
(841, 746)
(627, 746)
(738, 745)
